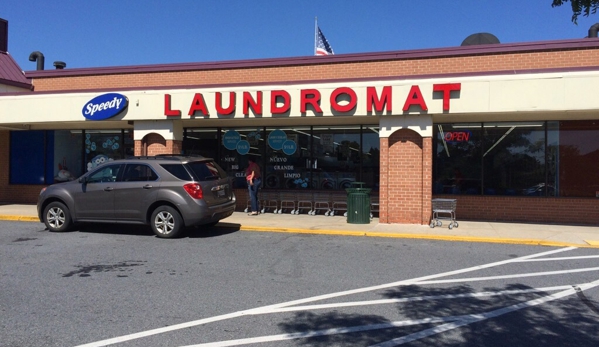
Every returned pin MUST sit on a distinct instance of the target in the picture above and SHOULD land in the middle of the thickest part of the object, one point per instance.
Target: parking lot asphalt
(467, 231)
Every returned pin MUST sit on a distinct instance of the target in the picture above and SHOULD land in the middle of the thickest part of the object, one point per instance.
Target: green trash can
(358, 203)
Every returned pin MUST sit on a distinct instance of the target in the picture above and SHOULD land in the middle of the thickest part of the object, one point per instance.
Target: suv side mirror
(83, 179)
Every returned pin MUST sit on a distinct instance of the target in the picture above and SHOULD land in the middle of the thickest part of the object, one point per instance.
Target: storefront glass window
(457, 158)
(51, 156)
(236, 145)
(202, 142)
(514, 158)
(105, 145)
(287, 158)
(337, 153)
(62, 155)
(371, 146)
(552, 159)
(549, 159)
(27, 152)
(66, 163)
(578, 158)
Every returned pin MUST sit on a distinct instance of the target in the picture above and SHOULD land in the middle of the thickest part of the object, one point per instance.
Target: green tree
(579, 7)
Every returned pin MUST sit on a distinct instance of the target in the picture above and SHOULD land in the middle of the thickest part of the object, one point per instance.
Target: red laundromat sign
(280, 101)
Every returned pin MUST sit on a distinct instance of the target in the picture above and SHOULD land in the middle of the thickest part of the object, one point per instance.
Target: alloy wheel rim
(164, 222)
(56, 217)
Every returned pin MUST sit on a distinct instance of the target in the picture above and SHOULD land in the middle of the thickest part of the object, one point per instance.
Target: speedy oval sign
(105, 106)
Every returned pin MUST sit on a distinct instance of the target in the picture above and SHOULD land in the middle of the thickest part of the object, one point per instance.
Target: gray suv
(165, 192)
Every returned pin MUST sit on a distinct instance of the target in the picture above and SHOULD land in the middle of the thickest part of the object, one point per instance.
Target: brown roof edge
(329, 59)
(28, 86)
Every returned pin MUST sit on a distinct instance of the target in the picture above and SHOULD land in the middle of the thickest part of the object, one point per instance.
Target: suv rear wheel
(166, 222)
(57, 217)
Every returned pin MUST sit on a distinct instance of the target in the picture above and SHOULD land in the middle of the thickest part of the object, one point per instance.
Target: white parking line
(530, 274)
(450, 324)
(416, 298)
(559, 258)
(469, 319)
(261, 310)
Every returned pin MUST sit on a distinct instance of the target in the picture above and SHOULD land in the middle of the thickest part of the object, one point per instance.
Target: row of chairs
(312, 203)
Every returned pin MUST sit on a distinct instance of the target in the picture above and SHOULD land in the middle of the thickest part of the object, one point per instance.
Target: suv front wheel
(57, 217)
(166, 222)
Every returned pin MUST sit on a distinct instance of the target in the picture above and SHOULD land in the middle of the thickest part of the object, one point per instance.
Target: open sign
(458, 136)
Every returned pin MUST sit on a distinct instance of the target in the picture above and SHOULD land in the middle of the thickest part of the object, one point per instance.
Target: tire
(166, 222)
(57, 217)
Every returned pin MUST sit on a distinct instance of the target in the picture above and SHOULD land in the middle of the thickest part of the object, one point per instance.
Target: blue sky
(96, 33)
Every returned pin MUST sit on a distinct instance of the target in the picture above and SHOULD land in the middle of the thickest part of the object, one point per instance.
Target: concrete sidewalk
(514, 233)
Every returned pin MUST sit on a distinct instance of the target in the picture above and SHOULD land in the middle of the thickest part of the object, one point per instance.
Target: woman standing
(254, 180)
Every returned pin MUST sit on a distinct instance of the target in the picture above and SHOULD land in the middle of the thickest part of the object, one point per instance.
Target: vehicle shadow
(565, 322)
(221, 229)
(143, 230)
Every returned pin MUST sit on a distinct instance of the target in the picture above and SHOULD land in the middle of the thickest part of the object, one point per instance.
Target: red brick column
(427, 179)
(405, 180)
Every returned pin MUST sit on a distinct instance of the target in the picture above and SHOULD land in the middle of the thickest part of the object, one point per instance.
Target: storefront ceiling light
(498, 125)
(200, 130)
(465, 125)
(288, 129)
(337, 128)
(110, 131)
(303, 133)
(514, 124)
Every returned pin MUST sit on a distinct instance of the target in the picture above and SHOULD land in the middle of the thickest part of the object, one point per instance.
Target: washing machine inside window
(327, 183)
(272, 181)
(290, 183)
(346, 183)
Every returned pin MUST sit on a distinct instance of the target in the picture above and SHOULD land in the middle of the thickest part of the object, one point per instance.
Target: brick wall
(526, 209)
(509, 61)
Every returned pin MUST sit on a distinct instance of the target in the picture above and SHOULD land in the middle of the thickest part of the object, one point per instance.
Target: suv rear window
(178, 171)
(206, 170)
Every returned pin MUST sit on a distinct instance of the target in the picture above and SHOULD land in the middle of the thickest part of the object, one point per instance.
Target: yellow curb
(19, 218)
(530, 242)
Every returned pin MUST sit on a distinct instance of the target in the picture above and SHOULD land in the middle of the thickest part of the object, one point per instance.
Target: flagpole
(315, 33)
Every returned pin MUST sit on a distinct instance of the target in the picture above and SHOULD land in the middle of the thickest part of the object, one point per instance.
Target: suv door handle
(147, 186)
(108, 189)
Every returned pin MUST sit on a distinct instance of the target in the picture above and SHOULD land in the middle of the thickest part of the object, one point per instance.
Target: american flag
(322, 45)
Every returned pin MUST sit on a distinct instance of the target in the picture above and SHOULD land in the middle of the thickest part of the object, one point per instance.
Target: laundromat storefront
(298, 157)
(405, 138)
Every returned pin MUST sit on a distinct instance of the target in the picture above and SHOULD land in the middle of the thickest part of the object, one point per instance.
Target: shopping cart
(444, 209)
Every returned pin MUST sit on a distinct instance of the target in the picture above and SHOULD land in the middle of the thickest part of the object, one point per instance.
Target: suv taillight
(194, 190)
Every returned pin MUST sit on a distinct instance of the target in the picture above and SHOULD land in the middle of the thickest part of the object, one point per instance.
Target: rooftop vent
(593, 30)
(480, 39)
(59, 65)
(39, 57)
